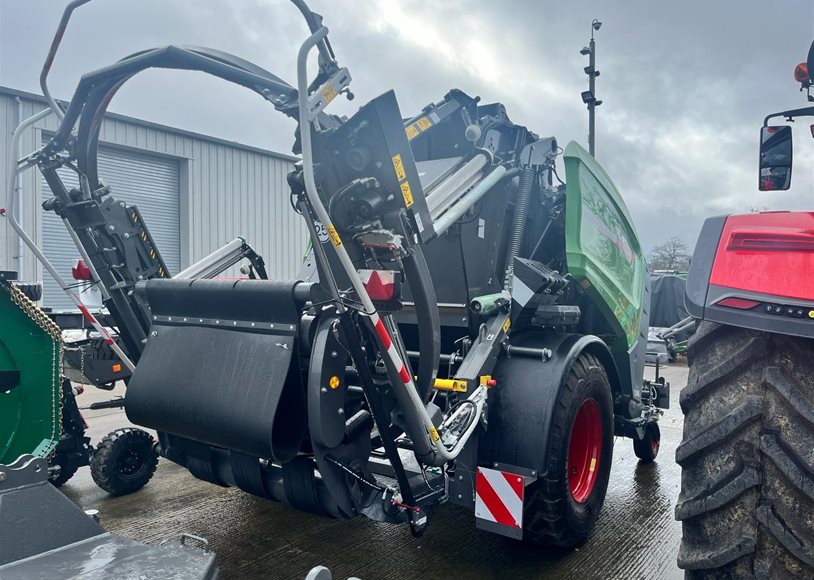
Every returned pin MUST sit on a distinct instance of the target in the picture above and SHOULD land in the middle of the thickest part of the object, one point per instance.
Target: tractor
(467, 326)
(747, 456)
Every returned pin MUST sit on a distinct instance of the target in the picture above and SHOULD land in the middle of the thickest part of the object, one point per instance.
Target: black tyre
(561, 509)
(747, 457)
(32, 290)
(647, 448)
(124, 461)
(66, 471)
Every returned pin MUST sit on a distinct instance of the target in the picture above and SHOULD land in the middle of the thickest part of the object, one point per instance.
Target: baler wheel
(561, 508)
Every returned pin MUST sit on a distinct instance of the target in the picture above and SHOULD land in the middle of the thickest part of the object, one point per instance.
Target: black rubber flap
(217, 367)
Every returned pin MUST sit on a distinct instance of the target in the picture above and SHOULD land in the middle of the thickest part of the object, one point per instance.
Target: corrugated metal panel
(149, 182)
(226, 191)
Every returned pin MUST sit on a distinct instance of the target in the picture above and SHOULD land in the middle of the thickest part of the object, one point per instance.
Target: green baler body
(602, 248)
(29, 412)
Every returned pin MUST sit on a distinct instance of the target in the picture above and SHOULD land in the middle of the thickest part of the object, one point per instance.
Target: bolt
(126, 236)
(324, 389)
(534, 473)
(334, 354)
(121, 204)
(460, 496)
(341, 411)
(460, 478)
(494, 465)
(94, 514)
(111, 227)
(2, 475)
(154, 333)
(519, 480)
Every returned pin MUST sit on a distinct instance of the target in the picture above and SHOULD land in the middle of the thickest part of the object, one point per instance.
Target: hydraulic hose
(521, 211)
(427, 318)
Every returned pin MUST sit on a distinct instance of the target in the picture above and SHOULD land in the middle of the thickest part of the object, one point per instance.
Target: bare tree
(671, 255)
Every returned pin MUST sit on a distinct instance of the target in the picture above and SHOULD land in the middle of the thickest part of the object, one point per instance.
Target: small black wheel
(647, 448)
(67, 469)
(124, 461)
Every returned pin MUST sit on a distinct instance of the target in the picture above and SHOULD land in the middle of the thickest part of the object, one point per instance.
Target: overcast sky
(685, 84)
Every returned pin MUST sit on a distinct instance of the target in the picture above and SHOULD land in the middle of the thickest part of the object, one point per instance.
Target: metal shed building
(194, 191)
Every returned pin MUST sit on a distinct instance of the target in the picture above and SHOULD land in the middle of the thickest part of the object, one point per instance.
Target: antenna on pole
(589, 96)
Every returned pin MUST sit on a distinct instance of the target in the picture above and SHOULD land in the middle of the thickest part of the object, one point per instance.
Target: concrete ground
(636, 536)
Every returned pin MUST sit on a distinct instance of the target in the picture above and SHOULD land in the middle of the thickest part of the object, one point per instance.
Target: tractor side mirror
(775, 158)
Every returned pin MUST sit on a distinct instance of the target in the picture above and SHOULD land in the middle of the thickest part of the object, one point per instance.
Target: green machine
(30, 354)
(39, 415)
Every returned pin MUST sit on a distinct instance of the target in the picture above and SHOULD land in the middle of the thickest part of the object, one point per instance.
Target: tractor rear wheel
(561, 508)
(747, 456)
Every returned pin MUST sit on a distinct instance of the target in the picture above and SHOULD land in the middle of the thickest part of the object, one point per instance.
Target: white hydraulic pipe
(369, 310)
(446, 193)
(14, 169)
(18, 193)
(459, 209)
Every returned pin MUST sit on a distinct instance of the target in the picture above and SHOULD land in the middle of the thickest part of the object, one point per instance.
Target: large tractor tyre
(124, 461)
(747, 457)
(561, 508)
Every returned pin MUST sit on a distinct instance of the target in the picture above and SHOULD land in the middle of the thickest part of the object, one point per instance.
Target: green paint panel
(602, 247)
(29, 412)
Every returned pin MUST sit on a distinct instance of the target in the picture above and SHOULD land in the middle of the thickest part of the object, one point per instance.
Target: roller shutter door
(147, 181)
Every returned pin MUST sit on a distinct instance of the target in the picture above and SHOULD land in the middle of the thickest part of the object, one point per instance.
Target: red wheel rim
(585, 450)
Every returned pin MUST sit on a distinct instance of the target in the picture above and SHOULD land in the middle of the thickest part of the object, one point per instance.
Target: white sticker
(322, 233)
(418, 222)
(481, 228)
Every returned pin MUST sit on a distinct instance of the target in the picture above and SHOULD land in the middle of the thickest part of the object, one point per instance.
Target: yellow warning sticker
(593, 465)
(506, 325)
(434, 434)
(399, 167)
(412, 132)
(328, 94)
(424, 123)
(337, 241)
(334, 382)
(407, 194)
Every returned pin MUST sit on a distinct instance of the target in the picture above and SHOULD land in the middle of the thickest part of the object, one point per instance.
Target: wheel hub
(584, 450)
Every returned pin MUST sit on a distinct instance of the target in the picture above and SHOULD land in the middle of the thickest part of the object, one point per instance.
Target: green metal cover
(601, 244)
(29, 412)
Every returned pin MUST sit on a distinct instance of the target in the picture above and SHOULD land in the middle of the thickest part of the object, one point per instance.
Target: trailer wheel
(66, 472)
(747, 456)
(561, 509)
(647, 448)
(124, 461)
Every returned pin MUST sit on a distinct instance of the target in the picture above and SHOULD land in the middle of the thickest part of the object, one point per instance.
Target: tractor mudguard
(521, 406)
(764, 285)
(219, 366)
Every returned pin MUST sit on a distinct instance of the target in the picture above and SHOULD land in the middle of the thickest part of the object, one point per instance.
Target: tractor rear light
(780, 240)
(81, 271)
(739, 303)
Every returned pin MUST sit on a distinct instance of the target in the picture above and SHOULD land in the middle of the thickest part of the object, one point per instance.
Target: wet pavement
(636, 535)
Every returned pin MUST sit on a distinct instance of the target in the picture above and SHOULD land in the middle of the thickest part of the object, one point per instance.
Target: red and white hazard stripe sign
(499, 497)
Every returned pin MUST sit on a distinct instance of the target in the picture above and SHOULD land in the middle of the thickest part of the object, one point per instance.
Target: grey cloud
(685, 84)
